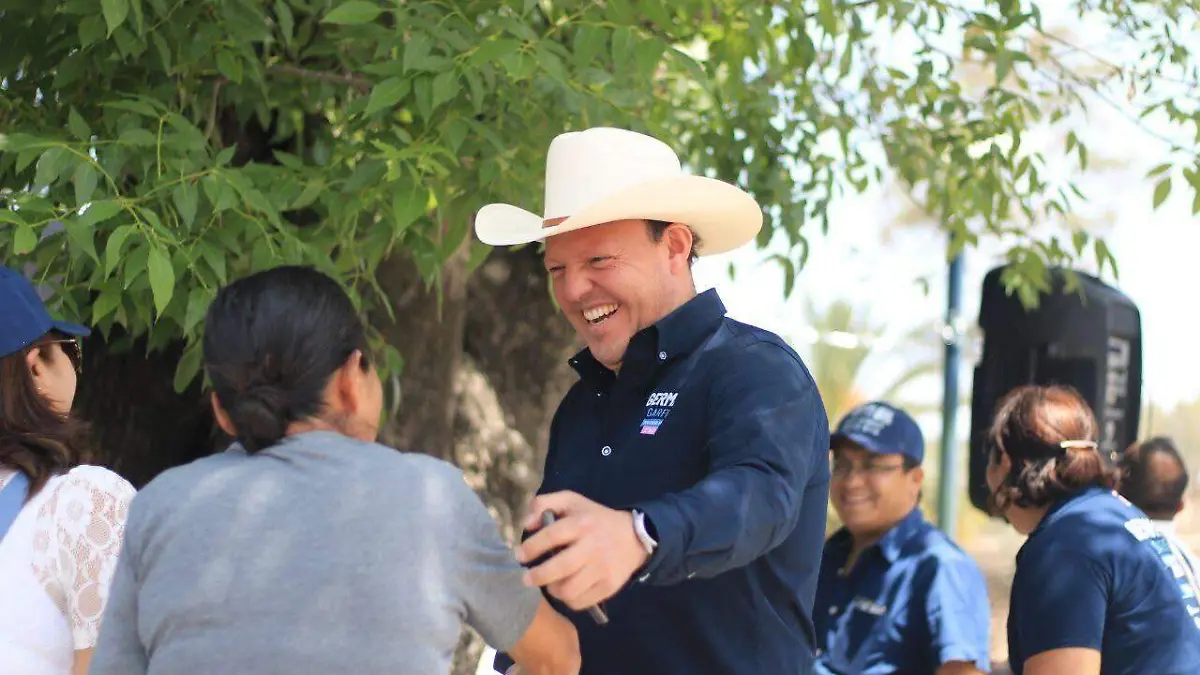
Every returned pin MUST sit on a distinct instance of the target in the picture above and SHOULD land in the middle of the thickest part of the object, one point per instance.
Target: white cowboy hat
(603, 174)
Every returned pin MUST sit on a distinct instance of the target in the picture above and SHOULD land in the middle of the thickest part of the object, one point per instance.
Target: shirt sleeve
(497, 603)
(1060, 598)
(768, 432)
(958, 612)
(119, 650)
(82, 525)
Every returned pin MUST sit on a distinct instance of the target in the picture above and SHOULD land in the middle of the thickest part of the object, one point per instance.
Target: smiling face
(613, 280)
(872, 492)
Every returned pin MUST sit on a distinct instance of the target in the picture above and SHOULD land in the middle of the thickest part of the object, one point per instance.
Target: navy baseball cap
(23, 315)
(883, 429)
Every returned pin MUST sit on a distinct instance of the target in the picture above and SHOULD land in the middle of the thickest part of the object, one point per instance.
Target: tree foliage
(155, 149)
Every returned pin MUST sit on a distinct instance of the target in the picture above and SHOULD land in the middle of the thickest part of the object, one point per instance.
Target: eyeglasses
(841, 468)
(72, 348)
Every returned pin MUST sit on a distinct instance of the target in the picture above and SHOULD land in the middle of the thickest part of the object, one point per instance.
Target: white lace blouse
(56, 563)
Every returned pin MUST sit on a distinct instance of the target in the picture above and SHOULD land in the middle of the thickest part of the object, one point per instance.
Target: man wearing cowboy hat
(687, 466)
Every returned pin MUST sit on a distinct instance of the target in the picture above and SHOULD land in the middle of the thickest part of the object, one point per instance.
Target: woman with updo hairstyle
(307, 547)
(1097, 589)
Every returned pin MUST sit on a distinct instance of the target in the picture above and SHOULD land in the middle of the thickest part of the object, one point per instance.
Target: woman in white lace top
(58, 555)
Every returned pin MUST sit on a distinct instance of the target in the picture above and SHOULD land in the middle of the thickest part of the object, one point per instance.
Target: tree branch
(360, 83)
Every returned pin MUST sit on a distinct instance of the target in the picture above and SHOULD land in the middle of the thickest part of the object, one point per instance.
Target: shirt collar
(892, 542)
(1059, 506)
(1164, 526)
(674, 336)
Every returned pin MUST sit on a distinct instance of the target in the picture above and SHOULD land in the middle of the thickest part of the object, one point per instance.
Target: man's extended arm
(769, 432)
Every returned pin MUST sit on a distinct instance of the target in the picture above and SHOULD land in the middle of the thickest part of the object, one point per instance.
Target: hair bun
(260, 417)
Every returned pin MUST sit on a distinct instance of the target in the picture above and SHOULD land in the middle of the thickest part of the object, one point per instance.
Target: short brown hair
(1032, 426)
(657, 228)
(34, 438)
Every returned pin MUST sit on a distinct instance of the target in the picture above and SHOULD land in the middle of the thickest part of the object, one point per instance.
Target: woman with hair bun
(1097, 589)
(307, 547)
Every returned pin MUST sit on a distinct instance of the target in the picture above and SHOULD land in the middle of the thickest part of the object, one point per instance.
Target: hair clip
(1070, 445)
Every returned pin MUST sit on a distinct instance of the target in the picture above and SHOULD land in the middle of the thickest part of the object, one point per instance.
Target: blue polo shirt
(715, 430)
(1096, 573)
(912, 602)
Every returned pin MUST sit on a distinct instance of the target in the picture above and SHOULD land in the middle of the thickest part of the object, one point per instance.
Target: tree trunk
(482, 377)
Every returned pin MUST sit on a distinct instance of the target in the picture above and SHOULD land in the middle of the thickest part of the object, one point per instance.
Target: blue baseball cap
(23, 315)
(883, 429)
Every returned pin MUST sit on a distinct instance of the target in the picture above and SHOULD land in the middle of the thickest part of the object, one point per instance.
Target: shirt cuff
(966, 654)
(666, 562)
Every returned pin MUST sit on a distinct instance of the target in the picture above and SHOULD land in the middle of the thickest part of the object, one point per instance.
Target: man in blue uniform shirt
(895, 594)
(687, 465)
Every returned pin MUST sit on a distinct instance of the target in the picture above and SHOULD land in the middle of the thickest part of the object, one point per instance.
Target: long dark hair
(271, 342)
(35, 438)
(1049, 435)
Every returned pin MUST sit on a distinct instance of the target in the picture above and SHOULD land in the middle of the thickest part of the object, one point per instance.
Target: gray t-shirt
(321, 554)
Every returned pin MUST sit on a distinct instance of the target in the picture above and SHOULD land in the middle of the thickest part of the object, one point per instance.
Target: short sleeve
(498, 604)
(1059, 600)
(77, 540)
(957, 608)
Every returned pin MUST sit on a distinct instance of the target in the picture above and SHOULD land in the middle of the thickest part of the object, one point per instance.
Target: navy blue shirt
(1096, 573)
(715, 430)
(912, 602)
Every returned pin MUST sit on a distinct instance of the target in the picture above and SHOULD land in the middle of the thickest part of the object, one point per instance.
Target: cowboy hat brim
(723, 216)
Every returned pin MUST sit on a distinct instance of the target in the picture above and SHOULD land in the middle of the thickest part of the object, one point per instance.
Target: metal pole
(948, 484)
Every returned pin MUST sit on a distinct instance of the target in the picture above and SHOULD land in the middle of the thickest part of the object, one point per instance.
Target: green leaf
(107, 303)
(135, 106)
(353, 13)
(445, 87)
(309, 195)
(135, 264)
(188, 367)
(622, 45)
(589, 42)
(85, 183)
(287, 22)
(1160, 169)
(112, 249)
(1196, 203)
(648, 54)
(229, 65)
(162, 278)
(1162, 191)
(197, 303)
(82, 231)
(48, 166)
(387, 94)
(24, 240)
(826, 17)
(492, 50)
(1003, 65)
(416, 52)
(409, 204)
(115, 12)
(186, 198)
(101, 211)
(91, 31)
(139, 137)
(78, 127)
(225, 156)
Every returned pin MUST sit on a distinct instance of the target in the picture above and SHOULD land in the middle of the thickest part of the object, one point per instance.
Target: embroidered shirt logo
(658, 406)
(665, 399)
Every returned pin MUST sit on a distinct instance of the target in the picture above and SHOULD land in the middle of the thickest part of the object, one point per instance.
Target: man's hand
(600, 550)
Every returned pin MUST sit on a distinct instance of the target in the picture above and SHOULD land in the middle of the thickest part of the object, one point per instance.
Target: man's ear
(222, 417)
(679, 239)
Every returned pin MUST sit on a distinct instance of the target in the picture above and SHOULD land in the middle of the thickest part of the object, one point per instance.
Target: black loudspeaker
(1089, 338)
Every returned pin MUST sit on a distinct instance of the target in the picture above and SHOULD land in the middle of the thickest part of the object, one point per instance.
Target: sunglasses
(72, 348)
